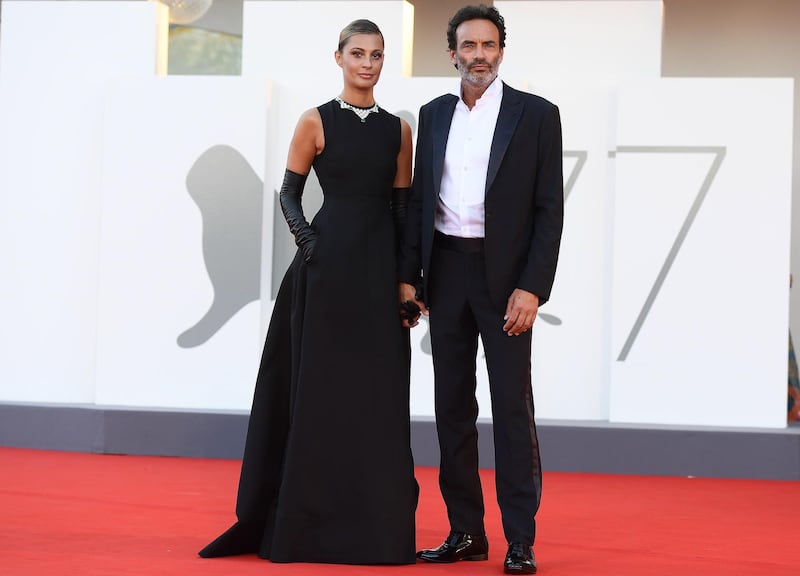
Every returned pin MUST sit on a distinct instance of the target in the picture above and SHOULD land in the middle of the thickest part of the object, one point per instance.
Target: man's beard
(483, 78)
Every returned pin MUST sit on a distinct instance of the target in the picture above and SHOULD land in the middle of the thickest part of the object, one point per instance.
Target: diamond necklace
(360, 111)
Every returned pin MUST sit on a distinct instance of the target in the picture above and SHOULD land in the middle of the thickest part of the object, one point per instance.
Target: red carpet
(86, 514)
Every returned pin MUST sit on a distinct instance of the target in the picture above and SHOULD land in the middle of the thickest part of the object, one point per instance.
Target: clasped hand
(407, 296)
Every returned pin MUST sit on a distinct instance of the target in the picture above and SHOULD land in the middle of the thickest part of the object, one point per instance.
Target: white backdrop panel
(700, 293)
(588, 41)
(54, 60)
(295, 40)
(182, 182)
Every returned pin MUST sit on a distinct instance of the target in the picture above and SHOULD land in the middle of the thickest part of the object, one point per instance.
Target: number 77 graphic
(719, 155)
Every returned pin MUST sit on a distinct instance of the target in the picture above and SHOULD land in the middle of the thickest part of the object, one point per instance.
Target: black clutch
(409, 311)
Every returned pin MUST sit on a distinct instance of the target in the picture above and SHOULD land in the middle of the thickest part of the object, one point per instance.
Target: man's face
(478, 53)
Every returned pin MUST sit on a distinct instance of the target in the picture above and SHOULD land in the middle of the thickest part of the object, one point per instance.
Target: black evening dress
(327, 474)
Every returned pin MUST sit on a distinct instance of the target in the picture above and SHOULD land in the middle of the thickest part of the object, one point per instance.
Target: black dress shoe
(519, 559)
(458, 546)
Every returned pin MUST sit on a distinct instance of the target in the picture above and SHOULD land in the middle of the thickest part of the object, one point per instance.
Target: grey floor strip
(567, 446)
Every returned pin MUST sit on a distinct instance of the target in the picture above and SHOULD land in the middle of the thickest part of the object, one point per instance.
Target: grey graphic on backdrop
(580, 159)
(230, 197)
(719, 154)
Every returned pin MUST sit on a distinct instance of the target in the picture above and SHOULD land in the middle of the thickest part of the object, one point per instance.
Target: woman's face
(361, 60)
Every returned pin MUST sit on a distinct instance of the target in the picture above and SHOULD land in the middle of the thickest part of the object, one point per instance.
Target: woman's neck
(362, 99)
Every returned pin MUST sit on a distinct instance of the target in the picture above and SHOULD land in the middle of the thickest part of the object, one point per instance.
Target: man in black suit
(483, 232)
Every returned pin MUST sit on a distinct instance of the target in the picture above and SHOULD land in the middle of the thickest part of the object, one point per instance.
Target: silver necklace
(359, 111)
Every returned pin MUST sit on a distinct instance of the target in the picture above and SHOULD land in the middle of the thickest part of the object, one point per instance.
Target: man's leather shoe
(519, 559)
(458, 546)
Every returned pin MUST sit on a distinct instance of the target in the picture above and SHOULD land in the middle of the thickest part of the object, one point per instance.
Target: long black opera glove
(409, 310)
(290, 197)
(399, 207)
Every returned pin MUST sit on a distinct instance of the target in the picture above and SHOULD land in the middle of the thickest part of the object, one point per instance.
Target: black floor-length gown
(327, 474)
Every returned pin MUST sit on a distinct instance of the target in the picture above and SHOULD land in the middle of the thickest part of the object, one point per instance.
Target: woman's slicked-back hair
(358, 27)
(480, 12)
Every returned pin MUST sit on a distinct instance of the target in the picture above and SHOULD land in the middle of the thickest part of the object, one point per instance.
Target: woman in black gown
(327, 474)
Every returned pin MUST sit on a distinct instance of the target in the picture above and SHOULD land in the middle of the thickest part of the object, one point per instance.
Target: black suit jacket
(524, 203)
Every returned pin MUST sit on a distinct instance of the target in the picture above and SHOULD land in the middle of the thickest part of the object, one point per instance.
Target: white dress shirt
(460, 210)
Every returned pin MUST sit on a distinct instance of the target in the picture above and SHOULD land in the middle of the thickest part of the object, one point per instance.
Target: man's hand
(407, 293)
(520, 312)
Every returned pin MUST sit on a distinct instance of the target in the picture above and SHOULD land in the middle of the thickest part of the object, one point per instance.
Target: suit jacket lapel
(441, 130)
(510, 111)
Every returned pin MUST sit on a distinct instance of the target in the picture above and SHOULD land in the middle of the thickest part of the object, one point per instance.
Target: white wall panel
(297, 39)
(54, 60)
(586, 41)
(701, 252)
(181, 242)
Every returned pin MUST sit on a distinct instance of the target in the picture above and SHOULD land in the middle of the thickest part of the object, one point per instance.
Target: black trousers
(460, 311)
